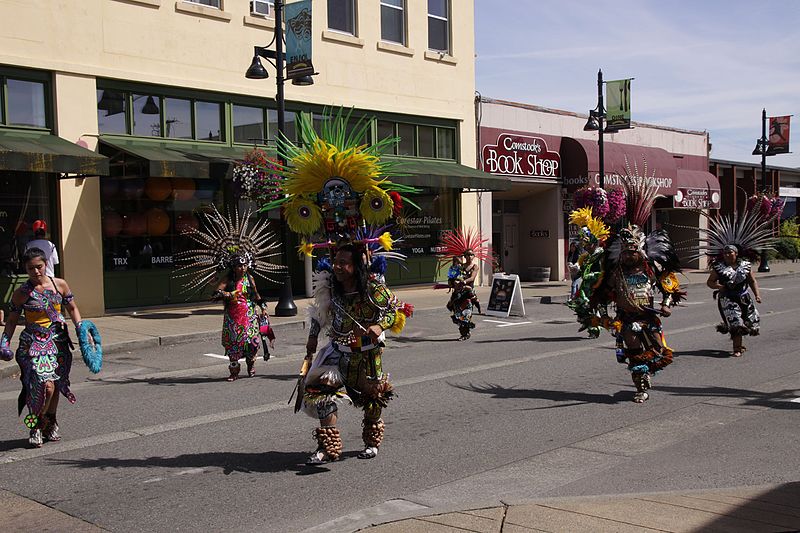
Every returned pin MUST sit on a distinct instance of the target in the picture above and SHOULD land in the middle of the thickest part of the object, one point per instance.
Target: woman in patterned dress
(44, 354)
(731, 276)
(240, 327)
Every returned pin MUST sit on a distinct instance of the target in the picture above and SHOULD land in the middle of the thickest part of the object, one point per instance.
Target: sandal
(640, 397)
(370, 452)
(319, 457)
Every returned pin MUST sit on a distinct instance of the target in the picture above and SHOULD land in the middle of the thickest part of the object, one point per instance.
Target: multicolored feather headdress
(593, 229)
(223, 242)
(335, 185)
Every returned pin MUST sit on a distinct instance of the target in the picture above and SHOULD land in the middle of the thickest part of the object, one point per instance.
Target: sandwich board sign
(506, 296)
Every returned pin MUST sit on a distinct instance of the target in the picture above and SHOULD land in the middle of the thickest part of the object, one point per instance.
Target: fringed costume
(229, 243)
(593, 234)
(732, 243)
(636, 269)
(337, 200)
(464, 250)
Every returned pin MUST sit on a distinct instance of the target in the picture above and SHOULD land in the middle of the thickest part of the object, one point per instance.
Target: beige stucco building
(158, 88)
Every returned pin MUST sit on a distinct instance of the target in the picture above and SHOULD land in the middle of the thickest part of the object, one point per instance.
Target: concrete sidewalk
(753, 509)
(175, 325)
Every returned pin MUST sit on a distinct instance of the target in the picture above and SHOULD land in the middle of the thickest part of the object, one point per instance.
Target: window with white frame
(342, 16)
(393, 21)
(439, 25)
(262, 8)
(210, 3)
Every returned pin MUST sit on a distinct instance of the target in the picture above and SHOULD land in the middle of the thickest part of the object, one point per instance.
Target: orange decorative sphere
(157, 221)
(112, 223)
(183, 188)
(158, 188)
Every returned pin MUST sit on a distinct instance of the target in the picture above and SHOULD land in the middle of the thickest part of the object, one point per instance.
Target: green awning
(38, 151)
(447, 174)
(171, 159)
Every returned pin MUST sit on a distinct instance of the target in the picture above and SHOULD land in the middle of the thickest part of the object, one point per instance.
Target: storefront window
(445, 143)
(111, 111)
(248, 125)
(24, 200)
(406, 144)
(290, 128)
(178, 118)
(25, 102)
(421, 230)
(425, 141)
(208, 121)
(146, 115)
(142, 219)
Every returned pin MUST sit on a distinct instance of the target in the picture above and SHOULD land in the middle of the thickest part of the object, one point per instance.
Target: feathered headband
(457, 242)
(223, 242)
(335, 185)
(593, 229)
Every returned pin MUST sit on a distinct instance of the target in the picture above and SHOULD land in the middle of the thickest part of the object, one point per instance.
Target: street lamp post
(286, 305)
(762, 146)
(597, 121)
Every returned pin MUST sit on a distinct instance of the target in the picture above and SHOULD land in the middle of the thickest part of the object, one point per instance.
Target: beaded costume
(338, 201)
(635, 270)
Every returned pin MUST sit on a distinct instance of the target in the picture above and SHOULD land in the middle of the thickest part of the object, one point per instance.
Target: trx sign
(519, 155)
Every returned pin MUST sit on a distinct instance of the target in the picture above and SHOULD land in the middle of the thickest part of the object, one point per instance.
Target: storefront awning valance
(580, 158)
(177, 159)
(447, 174)
(697, 179)
(36, 151)
(697, 189)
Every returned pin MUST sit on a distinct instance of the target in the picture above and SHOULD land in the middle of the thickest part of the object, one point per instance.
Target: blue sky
(699, 65)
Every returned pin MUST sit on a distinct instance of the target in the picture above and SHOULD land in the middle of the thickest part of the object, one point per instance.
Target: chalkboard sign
(506, 296)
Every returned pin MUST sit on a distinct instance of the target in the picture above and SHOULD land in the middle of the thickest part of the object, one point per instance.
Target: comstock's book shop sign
(520, 155)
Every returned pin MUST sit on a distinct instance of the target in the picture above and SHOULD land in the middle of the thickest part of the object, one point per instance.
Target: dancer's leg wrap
(329, 441)
(372, 432)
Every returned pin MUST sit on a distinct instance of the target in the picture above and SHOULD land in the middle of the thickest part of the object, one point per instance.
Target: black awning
(37, 151)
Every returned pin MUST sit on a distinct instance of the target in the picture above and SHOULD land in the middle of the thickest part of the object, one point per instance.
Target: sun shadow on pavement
(560, 396)
(783, 399)
(13, 444)
(716, 354)
(228, 462)
(196, 380)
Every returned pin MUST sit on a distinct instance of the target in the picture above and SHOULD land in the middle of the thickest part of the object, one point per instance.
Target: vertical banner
(298, 39)
(778, 135)
(618, 105)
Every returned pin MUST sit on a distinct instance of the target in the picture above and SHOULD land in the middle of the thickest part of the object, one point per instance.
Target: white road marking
(198, 470)
(504, 324)
(218, 356)
(153, 480)
(772, 289)
(796, 400)
(691, 303)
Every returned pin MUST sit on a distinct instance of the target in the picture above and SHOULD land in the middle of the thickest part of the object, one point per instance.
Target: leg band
(372, 432)
(329, 441)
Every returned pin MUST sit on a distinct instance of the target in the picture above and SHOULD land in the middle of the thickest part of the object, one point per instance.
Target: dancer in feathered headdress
(464, 250)
(338, 199)
(230, 245)
(733, 242)
(635, 268)
(593, 233)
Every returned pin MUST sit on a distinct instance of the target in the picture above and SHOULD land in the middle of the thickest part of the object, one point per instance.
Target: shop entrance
(510, 243)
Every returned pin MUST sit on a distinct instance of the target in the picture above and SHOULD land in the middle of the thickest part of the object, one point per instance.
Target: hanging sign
(778, 135)
(618, 105)
(521, 155)
(506, 296)
(298, 39)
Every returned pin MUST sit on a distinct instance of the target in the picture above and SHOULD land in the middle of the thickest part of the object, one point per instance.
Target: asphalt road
(527, 408)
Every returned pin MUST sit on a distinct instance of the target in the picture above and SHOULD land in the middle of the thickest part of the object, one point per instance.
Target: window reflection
(177, 118)
(208, 121)
(146, 115)
(406, 134)
(25, 103)
(425, 136)
(111, 106)
(445, 143)
(248, 125)
(290, 128)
